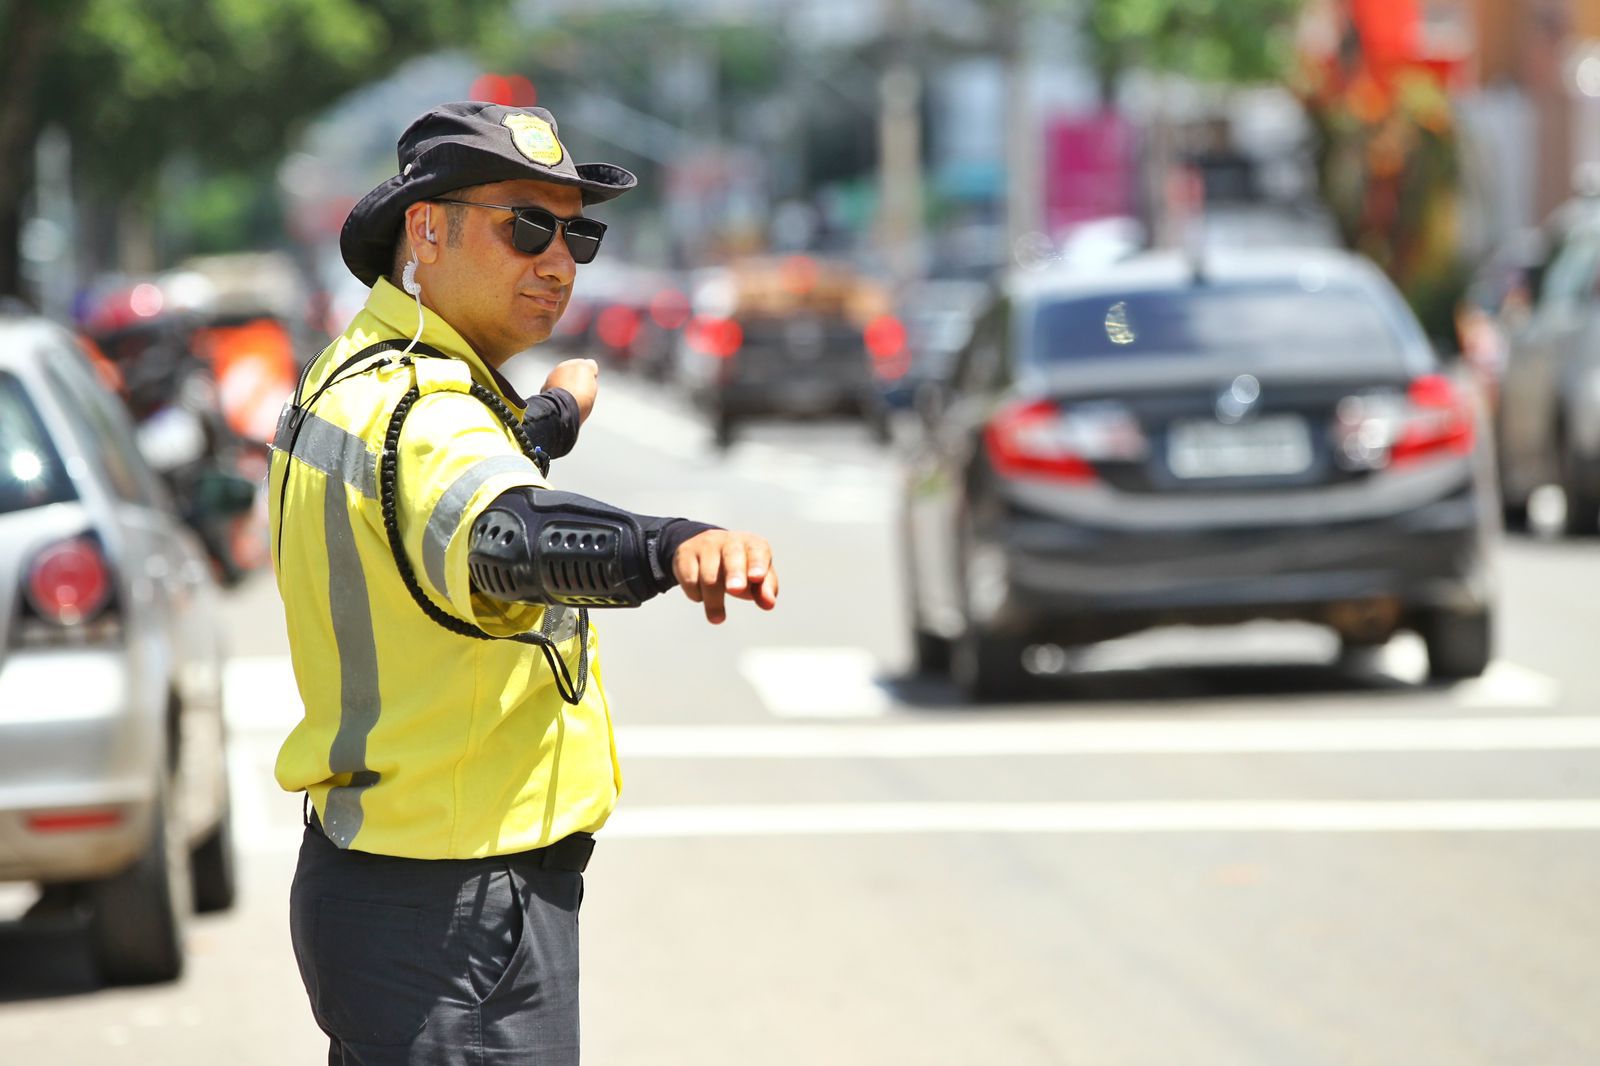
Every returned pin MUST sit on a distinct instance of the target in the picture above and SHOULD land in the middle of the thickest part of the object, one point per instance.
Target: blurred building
(1545, 54)
(1523, 77)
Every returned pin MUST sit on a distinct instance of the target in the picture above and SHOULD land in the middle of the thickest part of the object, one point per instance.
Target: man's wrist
(665, 544)
(552, 421)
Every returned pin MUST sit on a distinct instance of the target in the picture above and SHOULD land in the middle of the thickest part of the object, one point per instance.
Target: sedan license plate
(1263, 447)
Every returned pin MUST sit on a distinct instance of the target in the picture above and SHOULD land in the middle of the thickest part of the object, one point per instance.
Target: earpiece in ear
(427, 221)
(408, 278)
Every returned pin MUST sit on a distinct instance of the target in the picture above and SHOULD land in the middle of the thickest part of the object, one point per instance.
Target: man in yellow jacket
(457, 744)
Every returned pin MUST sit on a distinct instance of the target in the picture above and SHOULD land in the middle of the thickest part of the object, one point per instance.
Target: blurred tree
(226, 81)
(1230, 41)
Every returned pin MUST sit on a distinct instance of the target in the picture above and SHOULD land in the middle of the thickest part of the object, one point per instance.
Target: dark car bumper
(826, 391)
(1077, 582)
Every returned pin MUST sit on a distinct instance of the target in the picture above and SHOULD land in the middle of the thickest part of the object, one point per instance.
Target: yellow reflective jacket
(416, 741)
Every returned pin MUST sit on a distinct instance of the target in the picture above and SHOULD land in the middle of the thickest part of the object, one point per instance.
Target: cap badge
(534, 138)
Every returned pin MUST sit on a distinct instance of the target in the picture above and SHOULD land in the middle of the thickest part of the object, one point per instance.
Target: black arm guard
(541, 546)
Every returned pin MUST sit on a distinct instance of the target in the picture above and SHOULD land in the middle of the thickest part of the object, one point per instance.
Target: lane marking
(1230, 817)
(816, 682)
(1120, 737)
(834, 683)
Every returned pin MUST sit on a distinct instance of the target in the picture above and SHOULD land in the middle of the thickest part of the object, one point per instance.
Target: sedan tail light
(718, 337)
(69, 582)
(1432, 420)
(1439, 422)
(617, 327)
(885, 338)
(1039, 438)
(669, 309)
(68, 597)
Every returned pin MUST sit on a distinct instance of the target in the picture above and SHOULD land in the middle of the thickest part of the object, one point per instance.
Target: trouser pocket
(372, 982)
(490, 934)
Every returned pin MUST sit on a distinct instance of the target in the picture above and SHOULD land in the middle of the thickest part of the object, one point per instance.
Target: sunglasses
(535, 228)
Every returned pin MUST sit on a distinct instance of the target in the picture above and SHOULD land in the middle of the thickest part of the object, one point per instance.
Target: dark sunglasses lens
(533, 232)
(583, 241)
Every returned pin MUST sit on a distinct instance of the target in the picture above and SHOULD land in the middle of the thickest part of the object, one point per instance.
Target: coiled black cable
(388, 475)
(571, 691)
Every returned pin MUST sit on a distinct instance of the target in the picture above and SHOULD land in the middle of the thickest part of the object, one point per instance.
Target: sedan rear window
(31, 474)
(1275, 323)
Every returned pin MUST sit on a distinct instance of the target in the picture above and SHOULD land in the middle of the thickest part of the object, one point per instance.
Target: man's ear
(424, 239)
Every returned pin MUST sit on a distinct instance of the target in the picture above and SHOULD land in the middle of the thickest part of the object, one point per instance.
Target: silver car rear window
(31, 473)
(1276, 324)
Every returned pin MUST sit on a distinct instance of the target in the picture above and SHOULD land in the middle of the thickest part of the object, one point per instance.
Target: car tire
(1459, 645)
(930, 654)
(877, 419)
(138, 916)
(214, 868)
(987, 667)
(1583, 506)
(1359, 653)
(722, 431)
(1515, 516)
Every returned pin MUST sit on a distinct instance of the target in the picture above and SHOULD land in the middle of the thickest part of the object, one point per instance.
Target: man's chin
(535, 336)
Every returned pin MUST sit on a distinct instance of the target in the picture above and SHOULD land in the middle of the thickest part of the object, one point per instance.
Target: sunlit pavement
(1191, 848)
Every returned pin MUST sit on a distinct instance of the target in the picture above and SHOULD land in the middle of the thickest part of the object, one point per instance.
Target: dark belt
(570, 853)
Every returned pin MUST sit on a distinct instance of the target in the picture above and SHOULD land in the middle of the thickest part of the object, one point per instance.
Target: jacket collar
(398, 312)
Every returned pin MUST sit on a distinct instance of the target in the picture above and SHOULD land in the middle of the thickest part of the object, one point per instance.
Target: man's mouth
(548, 301)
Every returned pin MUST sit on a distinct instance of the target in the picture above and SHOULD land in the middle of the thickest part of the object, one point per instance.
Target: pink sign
(1089, 169)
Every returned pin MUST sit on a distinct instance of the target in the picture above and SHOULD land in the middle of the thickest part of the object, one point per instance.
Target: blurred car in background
(626, 316)
(204, 379)
(1548, 413)
(938, 314)
(1160, 442)
(791, 337)
(113, 777)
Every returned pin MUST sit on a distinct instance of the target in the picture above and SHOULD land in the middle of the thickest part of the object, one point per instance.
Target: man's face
(500, 300)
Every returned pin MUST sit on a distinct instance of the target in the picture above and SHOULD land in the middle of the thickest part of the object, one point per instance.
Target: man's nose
(556, 262)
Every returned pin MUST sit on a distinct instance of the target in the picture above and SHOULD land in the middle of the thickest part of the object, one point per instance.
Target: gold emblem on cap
(534, 138)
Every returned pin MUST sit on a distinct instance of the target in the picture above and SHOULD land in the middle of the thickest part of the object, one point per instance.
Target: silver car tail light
(69, 593)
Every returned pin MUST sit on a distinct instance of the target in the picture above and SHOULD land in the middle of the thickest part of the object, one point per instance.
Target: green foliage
(222, 213)
(228, 80)
(1209, 40)
(220, 84)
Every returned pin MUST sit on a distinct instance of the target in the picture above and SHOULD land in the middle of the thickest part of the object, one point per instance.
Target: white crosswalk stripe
(848, 683)
(802, 687)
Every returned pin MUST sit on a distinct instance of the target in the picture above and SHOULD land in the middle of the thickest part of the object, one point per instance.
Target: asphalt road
(1199, 848)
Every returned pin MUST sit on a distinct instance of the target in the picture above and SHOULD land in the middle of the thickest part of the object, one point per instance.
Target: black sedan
(790, 338)
(1170, 441)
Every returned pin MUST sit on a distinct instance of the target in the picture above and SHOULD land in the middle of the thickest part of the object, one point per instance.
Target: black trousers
(469, 962)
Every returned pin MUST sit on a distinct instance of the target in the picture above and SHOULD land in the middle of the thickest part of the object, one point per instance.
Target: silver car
(1548, 417)
(113, 779)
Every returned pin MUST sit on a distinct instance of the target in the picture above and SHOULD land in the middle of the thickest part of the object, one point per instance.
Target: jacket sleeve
(454, 458)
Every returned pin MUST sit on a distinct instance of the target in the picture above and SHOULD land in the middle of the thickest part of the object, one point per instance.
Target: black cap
(456, 145)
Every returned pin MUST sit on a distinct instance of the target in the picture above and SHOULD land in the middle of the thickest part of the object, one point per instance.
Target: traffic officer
(457, 742)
